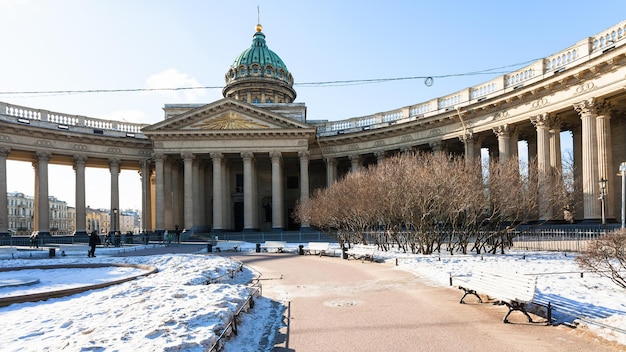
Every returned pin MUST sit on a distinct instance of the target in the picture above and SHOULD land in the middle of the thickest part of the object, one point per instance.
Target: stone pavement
(349, 305)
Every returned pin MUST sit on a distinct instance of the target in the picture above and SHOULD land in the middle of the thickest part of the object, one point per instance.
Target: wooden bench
(362, 251)
(235, 246)
(319, 248)
(507, 288)
(274, 246)
(73, 248)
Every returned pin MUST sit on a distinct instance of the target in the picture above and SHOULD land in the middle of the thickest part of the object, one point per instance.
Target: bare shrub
(606, 257)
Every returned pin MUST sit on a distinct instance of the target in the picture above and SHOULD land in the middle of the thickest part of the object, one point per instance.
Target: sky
(184, 313)
(75, 45)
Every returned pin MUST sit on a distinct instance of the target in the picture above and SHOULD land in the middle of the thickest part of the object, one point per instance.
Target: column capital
(247, 155)
(435, 145)
(188, 156)
(502, 130)
(276, 156)
(43, 156)
(159, 157)
(586, 107)
(544, 120)
(406, 149)
(354, 157)
(304, 154)
(80, 159)
(466, 136)
(217, 156)
(380, 154)
(4, 151)
(114, 162)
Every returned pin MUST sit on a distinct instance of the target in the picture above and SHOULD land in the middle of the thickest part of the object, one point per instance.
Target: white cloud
(172, 78)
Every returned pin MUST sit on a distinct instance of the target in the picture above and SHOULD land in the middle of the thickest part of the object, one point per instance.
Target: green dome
(258, 62)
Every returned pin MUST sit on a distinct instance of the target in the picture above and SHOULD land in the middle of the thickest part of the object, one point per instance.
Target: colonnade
(593, 156)
(195, 191)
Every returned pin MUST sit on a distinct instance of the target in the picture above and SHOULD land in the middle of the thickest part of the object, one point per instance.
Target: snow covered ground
(176, 310)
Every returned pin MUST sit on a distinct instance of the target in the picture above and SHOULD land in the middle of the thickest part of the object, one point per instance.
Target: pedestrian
(94, 240)
(34, 239)
(165, 236)
(177, 234)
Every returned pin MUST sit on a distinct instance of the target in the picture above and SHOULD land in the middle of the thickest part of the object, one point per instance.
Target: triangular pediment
(226, 115)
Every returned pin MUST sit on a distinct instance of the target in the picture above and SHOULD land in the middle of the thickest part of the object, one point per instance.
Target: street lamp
(622, 170)
(602, 183)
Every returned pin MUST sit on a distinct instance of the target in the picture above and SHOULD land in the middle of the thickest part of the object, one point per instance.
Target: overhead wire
(336, 83)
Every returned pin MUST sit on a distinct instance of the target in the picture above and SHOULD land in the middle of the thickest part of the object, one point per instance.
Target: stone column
(114, 168)
(146, 193)
(198, 195)
(541, 123)
(355, 161)
(380, 156)
(4, 214)
(605, 157)
(218, 217)
(81, 205)
(227, 204)
(579, 213)
(43, 206)
(504, 142)
(556, 168)
(159, 160)
(168, 196)
(248, 211)
(304, 181)
(188, 202)
(555, 147)
(587, 111)
(175, 215)
(277, 191)
(469, 146)
(331, 171)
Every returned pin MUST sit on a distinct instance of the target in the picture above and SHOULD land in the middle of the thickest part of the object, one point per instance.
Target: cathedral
(243, 163)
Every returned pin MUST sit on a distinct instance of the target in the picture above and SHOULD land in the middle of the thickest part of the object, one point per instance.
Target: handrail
(231, 327)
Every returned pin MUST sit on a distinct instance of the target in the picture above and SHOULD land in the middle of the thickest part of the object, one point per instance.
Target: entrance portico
(250, 158)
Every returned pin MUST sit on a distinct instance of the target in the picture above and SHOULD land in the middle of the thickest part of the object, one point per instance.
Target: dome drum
(259, 75)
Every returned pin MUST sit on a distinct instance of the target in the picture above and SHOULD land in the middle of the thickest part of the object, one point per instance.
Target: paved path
(341, 305)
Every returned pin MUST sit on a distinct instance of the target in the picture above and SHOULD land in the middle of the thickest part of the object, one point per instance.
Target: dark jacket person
(94, 240)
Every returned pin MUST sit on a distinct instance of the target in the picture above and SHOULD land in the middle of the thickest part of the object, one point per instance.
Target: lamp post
(622, 170)
(602, 183)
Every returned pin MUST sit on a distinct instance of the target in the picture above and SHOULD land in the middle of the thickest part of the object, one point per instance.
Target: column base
(81, 236)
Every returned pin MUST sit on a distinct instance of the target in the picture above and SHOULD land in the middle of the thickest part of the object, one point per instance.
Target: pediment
(226, 115)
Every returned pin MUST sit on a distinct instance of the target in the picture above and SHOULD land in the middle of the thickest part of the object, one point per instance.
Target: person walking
(94, 240)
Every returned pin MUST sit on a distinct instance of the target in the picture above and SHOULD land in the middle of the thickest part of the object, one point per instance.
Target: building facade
(242, 163)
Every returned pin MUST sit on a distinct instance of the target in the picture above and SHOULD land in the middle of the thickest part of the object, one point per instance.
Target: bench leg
(516, 306)
(469, 292)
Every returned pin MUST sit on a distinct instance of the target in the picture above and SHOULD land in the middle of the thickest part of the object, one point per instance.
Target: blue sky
(119, 44)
